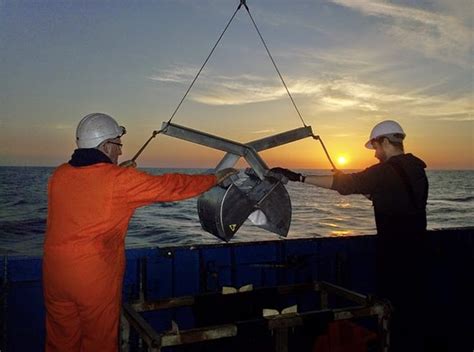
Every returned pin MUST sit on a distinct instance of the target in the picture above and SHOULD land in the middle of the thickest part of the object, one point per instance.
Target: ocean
(316, 212)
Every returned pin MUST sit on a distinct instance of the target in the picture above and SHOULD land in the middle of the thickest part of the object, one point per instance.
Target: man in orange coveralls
(90, 202)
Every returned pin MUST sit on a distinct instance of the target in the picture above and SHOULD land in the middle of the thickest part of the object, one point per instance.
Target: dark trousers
(401, 264)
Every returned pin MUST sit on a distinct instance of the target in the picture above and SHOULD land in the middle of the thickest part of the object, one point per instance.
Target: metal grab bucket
(224, 209)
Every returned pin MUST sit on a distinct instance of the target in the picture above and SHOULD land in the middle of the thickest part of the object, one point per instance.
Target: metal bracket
(258, 145)
(219, 143)
(236, 150)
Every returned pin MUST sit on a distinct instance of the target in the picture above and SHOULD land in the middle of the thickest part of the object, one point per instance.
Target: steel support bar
(278, 324)
(185, 301)
(163, 304)
(146, 332)
(219, 143)
(323, 287)
(281, 340)
(342, 292)
(144, 306)
(124, 334)
(281, 321)
(324, 299)
(203, 138)
(281, 138)
(276, 140)
(353, 312)
(198, 335)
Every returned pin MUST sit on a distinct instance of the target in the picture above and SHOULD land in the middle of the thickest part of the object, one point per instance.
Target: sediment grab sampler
(256, 194)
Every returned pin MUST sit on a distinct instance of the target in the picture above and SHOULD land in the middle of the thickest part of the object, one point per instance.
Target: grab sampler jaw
(224, 209)
(256, 194)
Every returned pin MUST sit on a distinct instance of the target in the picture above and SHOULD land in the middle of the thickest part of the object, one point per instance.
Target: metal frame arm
(236, 150)
(230, 159)
(209, 140)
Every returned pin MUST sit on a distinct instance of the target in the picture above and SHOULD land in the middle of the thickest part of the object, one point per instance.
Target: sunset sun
(342, 160)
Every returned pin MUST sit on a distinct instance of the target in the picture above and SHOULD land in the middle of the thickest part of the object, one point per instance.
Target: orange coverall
(84, 252)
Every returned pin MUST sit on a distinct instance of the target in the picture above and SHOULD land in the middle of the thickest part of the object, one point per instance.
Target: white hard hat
(95, 128)
(387, 128)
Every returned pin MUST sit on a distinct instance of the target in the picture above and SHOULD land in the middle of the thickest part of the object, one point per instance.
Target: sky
(348, 64)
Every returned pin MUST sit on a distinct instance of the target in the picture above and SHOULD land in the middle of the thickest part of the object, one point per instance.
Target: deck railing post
(384, 327)
(324, 299)
(124, 334)
(281, 339)
(142, 279)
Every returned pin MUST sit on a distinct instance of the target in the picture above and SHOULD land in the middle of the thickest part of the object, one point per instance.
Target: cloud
(267, 131)
(237, 91)
(338, 104)
(342, 135)
(337, 93)
(246, 89)
(332, 93)
(443, 108)
(176, 74)
(457, 118)
(346, 93)
(435, 35)
(278, 19)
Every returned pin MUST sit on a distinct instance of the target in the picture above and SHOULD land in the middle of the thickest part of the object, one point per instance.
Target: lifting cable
(242, 3)
(155, 133)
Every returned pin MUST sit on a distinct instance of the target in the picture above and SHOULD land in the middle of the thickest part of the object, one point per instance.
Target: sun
(342, 160)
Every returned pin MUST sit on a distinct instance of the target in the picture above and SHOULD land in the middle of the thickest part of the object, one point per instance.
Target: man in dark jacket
(398, 188)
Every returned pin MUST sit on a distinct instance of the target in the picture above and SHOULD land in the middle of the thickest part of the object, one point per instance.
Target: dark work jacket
(398, 189)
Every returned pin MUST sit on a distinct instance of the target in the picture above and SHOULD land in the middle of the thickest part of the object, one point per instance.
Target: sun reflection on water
(344, 205)
(328, 224)
(341, 233)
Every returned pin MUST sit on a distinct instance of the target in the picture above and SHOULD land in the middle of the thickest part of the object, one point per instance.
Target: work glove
(223, 174)
(290, 175)
(128, 163)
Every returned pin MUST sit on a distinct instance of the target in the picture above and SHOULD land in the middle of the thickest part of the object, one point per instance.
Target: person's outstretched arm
(365, 182)
(325, 181)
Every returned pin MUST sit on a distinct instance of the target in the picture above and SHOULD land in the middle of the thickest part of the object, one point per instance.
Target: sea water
(316, 212)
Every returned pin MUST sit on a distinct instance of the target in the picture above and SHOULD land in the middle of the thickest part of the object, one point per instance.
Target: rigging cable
(273, 62)
(334, 168)
(242, 3)
(155, 133)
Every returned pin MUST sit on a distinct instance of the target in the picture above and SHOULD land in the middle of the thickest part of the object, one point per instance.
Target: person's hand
(290, 175)
(128, 163)
(221, 175)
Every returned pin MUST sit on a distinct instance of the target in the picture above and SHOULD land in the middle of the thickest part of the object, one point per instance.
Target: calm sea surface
(316, 212)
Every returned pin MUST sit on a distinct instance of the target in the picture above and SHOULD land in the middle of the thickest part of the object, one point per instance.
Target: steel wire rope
(334, 168)
(155, 133)
(243, 2)
(274, 65)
